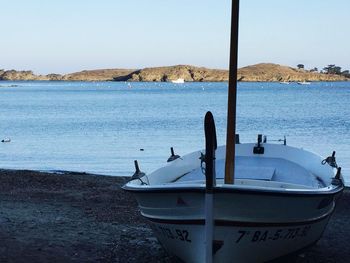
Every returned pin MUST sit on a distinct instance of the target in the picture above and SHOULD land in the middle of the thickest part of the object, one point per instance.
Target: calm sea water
(101, 127)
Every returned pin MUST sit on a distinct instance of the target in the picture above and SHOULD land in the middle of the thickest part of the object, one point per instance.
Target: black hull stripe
(239, 223)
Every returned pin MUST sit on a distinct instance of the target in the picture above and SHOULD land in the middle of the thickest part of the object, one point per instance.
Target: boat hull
(235, 242)
(272, 224)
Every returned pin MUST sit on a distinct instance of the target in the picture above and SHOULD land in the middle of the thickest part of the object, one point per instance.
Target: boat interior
(249, 169)
(279, 166)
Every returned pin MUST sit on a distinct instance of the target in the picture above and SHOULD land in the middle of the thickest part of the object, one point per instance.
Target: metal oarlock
(173, 156)
(138, 174)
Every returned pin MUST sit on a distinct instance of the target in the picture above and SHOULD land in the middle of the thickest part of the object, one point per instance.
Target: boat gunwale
(229, 189)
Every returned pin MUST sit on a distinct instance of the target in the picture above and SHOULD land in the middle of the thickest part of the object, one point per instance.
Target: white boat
(304, 83)
(280, 203)
(178, 81)
(285, 82)
(243, 202)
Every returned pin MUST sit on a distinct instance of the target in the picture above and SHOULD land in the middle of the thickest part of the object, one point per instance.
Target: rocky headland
(186, 72)
(274, 72)
(263, 72)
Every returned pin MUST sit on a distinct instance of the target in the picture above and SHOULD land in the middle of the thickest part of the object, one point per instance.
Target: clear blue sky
(71, 35)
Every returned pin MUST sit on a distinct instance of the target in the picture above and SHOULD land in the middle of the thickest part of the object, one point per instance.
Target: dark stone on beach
(77, 217)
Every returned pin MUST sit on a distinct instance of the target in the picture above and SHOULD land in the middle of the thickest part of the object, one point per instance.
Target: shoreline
(131, 81)
(262, 72)
(75, 217)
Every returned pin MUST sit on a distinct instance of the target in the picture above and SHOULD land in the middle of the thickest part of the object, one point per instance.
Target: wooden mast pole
(232, 96)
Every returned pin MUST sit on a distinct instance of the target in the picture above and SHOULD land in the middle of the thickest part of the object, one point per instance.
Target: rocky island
(263, 72)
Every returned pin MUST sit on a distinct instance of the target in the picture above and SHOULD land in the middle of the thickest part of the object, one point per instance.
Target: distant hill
(85, 75)
(275, 72)
(186, 72)
(258, 72)
(98, 75)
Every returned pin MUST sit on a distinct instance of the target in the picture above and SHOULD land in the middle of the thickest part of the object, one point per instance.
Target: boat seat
(265, 173)
(260, 169)
(256, 173)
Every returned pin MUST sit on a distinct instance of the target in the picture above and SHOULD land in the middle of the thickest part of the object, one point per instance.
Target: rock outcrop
(275, 72)
(258, 72)
(186, 72)
(17, 75)
(14, 75)
(98, 75)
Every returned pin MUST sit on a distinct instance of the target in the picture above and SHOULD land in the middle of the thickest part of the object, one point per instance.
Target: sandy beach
(78, 217)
